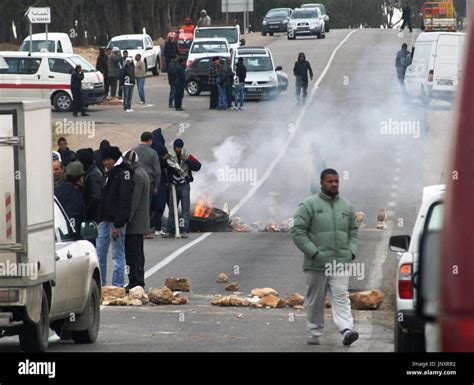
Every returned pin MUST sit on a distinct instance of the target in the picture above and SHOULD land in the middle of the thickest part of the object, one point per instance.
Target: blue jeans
(182, 195)
(127, 97)
(118, 253)
(222, 97)
(141, 88)
(239, 94)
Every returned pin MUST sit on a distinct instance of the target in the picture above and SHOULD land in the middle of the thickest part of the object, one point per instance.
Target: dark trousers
(214, 102)
(135, 259)
(406, 23)
(230, 95)
(120, 90)
(77, 103)
(178, 97)
(160, 201)
(106, 84)
(113, 86)
(301, 86)
(172, 94)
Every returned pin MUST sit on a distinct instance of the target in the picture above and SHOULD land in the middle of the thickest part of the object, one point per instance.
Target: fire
(202, 209)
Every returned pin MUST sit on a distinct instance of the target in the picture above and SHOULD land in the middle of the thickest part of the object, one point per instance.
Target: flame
(202, 209)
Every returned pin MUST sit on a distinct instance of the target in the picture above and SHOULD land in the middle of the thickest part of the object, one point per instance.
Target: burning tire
(208, 219)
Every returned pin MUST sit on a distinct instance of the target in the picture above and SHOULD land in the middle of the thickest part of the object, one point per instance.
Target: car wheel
(34, 337)
(89, 335)
(264, 33)
(193, 88)
(327, 28)
(407, 342)
(323, 35)
(319, 35)
(156, 69)
(271, 33)
(62, 102)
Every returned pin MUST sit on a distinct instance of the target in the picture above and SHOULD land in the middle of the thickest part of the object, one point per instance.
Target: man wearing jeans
(239, 84)
(324, 229)
(114, 213)
(140, 73)
(181, 164)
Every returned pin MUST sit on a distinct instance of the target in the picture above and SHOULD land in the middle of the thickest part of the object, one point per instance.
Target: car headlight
(272, 80)
(264, 22)
(285, 21)
(87, 86)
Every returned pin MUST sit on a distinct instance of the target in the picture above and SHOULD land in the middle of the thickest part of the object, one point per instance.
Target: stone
(233, 287)
(113, 291)
(116, 302)
(262, 292)
(367, 300)
(295, 299)
(136, 293)
(270, 301)
(161, 296)
(222, 278)
(327, 303)
(180, 301)
(178, 284)
(230, 300)
(298, 307)
(135, 302)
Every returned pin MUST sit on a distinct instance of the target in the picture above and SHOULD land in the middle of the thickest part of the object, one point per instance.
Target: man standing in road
(239, 84)
(171, 70)
(114, 67)
(181, 164)
(140, 73)
(401, 63)
(406, 17)
(77, 77)
(128, 80)
(325, 230)
(171, 49)
(139, 223)
(213, 74)
(114, 213)
(300, 70)
(179, 84)
(103, 66)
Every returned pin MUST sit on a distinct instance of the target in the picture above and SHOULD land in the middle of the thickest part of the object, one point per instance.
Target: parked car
(57, 271)
(262, 79)
(231, 33)
(197, 77)
(45, 75)
(276, 20)
(142, 44)
(208, 47)
(307, 22)
(436, 66)
(57, 42)
(451, 309)
(409, 327)
(322, 8)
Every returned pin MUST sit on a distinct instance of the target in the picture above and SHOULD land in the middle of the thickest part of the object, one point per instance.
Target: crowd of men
(126, 194)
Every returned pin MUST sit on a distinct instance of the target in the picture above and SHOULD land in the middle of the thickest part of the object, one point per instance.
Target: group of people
(121, 73)
(126, 195)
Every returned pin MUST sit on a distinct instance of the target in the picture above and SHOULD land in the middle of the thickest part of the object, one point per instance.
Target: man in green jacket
(324, 229)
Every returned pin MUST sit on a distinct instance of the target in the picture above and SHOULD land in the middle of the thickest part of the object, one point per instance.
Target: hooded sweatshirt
(301, 69)
(158, 144)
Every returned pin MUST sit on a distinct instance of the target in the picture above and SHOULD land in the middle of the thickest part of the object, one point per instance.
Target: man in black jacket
(179, 84)
(300, 70)
(67, 155)
(114, 213)
(239, 84)
(213, 73)
(171, 70)
(406, 17)
(77, 77)
(92, 184)
(98, 155)
(171, 49)
(102, 65)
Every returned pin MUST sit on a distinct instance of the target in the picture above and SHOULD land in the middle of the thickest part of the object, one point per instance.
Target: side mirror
(399, 243)
(149, 48)
(89, 230)
(279, 68)
(242, 42)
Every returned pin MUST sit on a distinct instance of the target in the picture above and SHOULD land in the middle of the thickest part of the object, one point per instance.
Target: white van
(436, 67)
(57, 42)
(231, 33)
(47, 75)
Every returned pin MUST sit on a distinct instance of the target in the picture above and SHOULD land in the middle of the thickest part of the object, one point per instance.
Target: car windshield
(305, 14)
(38, 45)
(127, 44)
(86, 66)
(277, 13)
(209, 47)
(258, 63)
(228, 33)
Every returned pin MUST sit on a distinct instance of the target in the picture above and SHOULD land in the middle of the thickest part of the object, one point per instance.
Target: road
(354, 96)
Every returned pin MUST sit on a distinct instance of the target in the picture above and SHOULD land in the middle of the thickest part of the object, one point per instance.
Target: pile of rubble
(364, 300)
(238, 225)
(169, 294)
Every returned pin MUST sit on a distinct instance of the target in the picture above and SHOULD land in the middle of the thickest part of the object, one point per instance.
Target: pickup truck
(49, 277)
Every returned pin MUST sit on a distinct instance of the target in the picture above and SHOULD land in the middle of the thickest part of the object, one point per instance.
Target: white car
(45, 75)
(409, 328)
(262, 80)
(306, 22)
(57, 42)
(436, 66)
(208, 47)
(142, 44)
(231, 33)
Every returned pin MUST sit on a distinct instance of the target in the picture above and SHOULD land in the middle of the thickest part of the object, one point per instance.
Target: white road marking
(394, 186)
(393, 195)
(398, 160)
(392, 204)
(397, 170)
(396, 178)
(390, 213)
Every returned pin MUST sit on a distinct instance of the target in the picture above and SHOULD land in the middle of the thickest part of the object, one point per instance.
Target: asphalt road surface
(352, 103)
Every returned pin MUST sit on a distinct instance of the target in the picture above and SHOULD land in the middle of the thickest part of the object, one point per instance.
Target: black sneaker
(350, 336)
(85, 114)
(168, 235)
(184, 235)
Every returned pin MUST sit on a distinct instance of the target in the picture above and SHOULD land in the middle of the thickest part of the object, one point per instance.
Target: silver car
(307, 22)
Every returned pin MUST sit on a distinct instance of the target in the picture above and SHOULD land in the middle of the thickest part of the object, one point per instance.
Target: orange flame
(203, 209)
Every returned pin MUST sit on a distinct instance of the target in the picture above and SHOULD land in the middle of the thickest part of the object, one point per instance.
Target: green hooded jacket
(324, 229)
